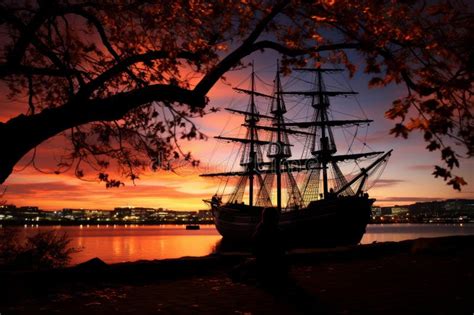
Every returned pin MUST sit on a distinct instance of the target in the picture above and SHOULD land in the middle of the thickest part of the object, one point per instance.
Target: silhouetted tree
(42, 250)
(122, 80)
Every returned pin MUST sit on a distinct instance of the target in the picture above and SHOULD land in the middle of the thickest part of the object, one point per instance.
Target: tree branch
(9, 69)
(121, 66)
(208, 81)
(32, 130)
(298, 52)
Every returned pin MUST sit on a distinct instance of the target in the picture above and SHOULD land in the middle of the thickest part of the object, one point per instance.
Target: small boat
(193, 227)
(317, 203)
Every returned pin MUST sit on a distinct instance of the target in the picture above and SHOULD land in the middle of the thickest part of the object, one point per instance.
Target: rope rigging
(266, 148)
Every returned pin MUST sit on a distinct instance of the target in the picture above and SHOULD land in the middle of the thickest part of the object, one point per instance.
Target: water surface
(115, 244)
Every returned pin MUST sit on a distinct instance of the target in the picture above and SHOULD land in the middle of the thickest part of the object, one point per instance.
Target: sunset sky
(406, 179)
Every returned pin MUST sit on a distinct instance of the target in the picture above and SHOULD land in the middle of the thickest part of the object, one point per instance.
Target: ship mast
(278, 113)
(280, 150)
(251, 154)
(325, 155)
(322, 107)
(252, 121)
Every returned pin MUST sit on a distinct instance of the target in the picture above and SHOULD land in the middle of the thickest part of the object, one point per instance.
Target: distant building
(85, 214)
(385, 210)
(51, 215)
(186, 215)
(7, 212)
(73, 214)
(121, 212)
(450, 207)
(205, 215)
(376, 211)
(26, 213)
(397, 210)
(145, 213)
(151, 214)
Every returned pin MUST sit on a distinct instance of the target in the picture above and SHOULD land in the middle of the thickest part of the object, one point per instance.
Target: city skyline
(447, 211)
(158, 208)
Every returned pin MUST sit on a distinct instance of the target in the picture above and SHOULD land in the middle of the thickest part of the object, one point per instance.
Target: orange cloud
(163, 190)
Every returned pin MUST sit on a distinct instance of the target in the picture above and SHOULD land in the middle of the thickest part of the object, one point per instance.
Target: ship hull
(336, 222)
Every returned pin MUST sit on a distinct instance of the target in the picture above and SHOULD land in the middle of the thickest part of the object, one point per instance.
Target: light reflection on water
(400, 232)
(115, 244)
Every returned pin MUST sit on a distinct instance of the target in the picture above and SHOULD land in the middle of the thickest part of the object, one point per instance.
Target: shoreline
(121, 223)
(158, 242)
(429, 275)
(100, 223)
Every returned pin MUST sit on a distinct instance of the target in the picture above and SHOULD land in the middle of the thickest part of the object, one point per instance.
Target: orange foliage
(158, 59)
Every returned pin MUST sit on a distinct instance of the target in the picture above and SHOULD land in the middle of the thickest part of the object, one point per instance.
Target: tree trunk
(23, 133)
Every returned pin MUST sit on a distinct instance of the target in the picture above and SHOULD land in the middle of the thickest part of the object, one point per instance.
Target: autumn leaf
(376, 82)
(399, 109)
(429, 105)
(400, 130)
(448, 155)
(457, 182)
(433, 145)
(441, 172)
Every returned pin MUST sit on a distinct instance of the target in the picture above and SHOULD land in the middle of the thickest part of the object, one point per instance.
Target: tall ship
(317, 203)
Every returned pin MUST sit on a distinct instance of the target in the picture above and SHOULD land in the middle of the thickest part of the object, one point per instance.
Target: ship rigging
(268, 169)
